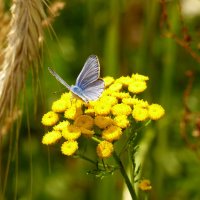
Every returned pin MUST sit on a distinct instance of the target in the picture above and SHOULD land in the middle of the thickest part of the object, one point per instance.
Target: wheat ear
(4, 24)
(22, 51)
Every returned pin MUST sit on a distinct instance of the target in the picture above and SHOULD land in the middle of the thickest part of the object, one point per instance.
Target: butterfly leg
(73, 99)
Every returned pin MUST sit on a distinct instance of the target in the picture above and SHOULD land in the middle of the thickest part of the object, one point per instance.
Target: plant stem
(87, 159)
(124, 174)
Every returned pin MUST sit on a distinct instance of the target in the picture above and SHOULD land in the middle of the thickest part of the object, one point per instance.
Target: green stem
(133, 135)
(96, 139)
(124, 174)
(146, 197)
(86, 158)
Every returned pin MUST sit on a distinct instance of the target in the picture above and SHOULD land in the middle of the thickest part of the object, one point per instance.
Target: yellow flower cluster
(145, 185)
(109, 116)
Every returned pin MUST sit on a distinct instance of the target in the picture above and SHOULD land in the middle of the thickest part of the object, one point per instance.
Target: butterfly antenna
(59, 78)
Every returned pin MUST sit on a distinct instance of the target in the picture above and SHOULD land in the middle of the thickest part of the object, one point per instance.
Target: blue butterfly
(88, 85)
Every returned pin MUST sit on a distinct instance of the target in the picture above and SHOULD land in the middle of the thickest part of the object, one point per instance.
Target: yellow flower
(112, 133)
(101, 108)
(115, 87)
(84, 121)
(102, 122)
(91, 104)
(137, 87)
(69, 147)
(145, 185)
(121, 121)
(121, 109)
(67, 96)
(108, 80)
(50, 118)
(87, 132)
(140, 102)
(73, 112)
(62, 125)
(107, 92)
(125, 80)
(51, 137)
(140, 113)
(59, 106)
(121, 95)
(78, 103)
(89, 111)
(104, 149)
(139, 77)
(108, 100)
(71, 132)
(156, 111)
(129, 101)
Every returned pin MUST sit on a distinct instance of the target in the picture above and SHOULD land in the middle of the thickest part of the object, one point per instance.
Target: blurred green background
(155, 38)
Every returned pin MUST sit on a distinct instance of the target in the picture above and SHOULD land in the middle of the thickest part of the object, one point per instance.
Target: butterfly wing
(94, 90)
(89, 73)
(91, 93)
(59, 78)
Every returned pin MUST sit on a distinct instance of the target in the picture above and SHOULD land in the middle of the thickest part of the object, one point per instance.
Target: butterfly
(88, 85)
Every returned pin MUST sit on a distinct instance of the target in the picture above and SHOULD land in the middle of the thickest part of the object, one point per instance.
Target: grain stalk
(22, 52)
(4, 24)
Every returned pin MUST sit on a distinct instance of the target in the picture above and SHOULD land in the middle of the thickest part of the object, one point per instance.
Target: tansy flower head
(91, 104)
(89, 111)
(103, 122)
(145, 185)
(156, 111)
(59, 105)
(50, 118)
(101, 108)
(140, 113)
(68, 148)
(71, 132)
(108, 100)
(140, 102)
(51, 137)
(121, 121)
(108, 80)
(107, 92)
(120, 95)
(62, 125)
(84, 121)
(104, 149)
(73, 112)
(121, 109)
(112, 133)
(125, 80)
(116, 87)
(139, 77)
(67, 96)
(137, 87)
(129, 101)
(87, 132)
(78, 103)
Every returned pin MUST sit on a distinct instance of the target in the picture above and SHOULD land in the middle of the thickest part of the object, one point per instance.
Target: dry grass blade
(23, 44)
